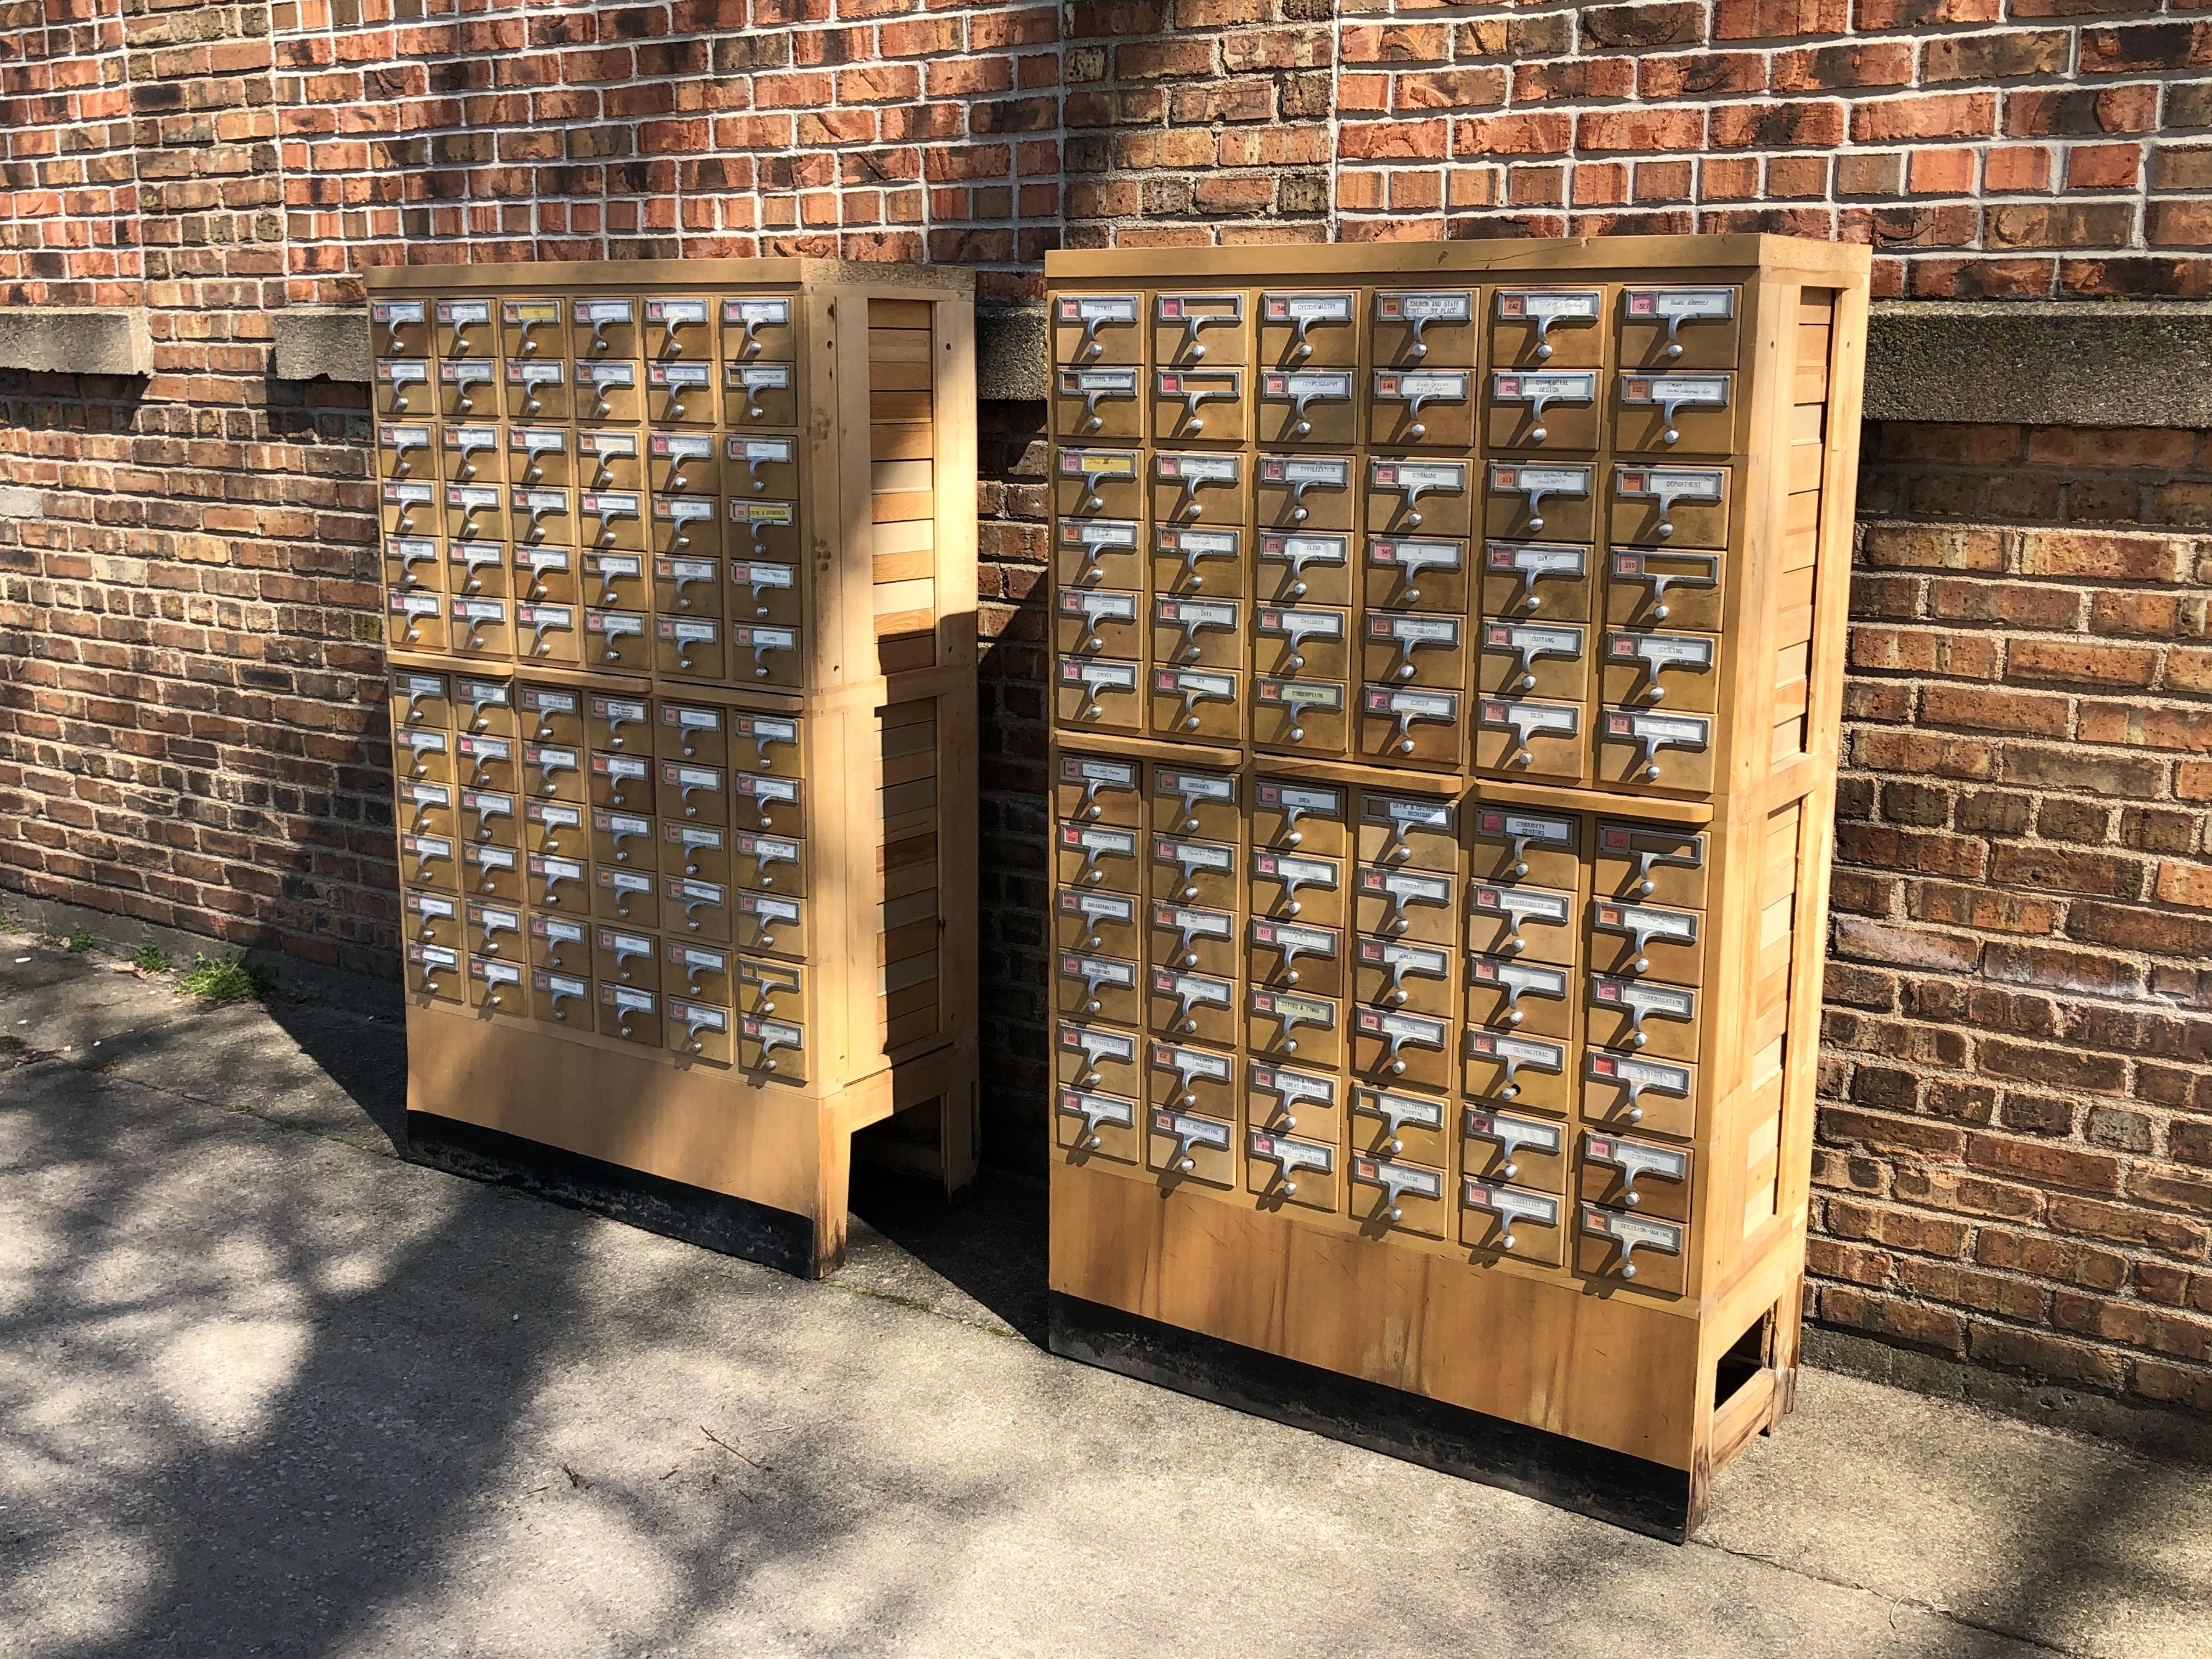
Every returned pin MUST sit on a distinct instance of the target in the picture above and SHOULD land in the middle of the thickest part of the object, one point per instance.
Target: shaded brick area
(2015, 1157)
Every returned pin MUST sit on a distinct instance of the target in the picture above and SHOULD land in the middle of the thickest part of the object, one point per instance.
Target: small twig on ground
(765, 1468)
(574, 1479)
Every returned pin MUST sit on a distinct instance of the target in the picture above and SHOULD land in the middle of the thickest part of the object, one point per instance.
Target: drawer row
(566, 718)
(684, 585)
(1390, 1160)
(522, 456)
(1390, 1045)
(694, 395)
(540, 328)
(1105, 497)
(1524, 985)
(688, 646)
(1515, 737)
(473, 499)
(1445, 327)
(700, 1004)
(1260, 810)
(1529, 411)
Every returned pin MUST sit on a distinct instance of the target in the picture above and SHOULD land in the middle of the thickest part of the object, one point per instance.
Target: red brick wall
(1985, 148)
(2015, 1143)
(2018, 1139)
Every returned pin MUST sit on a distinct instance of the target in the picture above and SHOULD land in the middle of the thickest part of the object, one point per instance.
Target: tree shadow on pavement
(263, 1394)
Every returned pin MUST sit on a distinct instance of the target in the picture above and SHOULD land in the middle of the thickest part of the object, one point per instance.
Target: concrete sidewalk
(266, 1388)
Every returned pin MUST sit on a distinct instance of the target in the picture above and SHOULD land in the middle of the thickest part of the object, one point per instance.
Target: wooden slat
(905, 566)
(907, 439)
(906, 625)
(909, 970)
(897, 408)
(1806, 464)
(1804, 513)
(914, 797)
(912, 939)
(904, 884)
(899, 377)
(905, 768)
(902, 506)
(885, 476)
(896, 345)
(908, 1028)
(898, 313)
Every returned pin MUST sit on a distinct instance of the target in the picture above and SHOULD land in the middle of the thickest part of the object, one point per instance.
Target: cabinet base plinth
(714, 1221)
(1607, 1485)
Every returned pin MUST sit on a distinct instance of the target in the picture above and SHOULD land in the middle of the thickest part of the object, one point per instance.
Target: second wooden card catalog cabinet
(1446, 687)
(680, 600)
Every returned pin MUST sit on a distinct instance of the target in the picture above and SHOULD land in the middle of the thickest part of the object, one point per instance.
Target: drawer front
(1624, 1172)
(1090, 1123)
(1537, 582)
(1390, 1196)
(1186, 1079)
(1522, 1074)
(1519, 1147)
(1644, 1251)
(1089, 1056)
(1516, 998)
(1640, 1096)
(1648, 863)
(1678, 327)
(1547, 328)
(1540, 501)
(1669, 506)
(1391, 1123)
(1099, 328)
(1509, 1220)
(1282, 1168)
(1650, 587)
(1189, 1147)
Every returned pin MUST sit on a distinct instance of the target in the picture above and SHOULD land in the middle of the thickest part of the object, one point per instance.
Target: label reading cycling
(1661, 650)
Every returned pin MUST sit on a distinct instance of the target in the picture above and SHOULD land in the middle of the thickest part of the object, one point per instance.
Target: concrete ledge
(1009, 353)
(321, 342)
(2135, 363)
(75, 340)
(2144, 363)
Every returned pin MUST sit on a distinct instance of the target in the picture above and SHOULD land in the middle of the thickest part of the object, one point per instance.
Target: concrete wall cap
(76, 339)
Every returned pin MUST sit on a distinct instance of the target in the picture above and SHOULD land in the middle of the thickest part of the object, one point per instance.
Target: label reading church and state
(1518, 480)
(1407, 812)
(1424, 305)
(1685, 304)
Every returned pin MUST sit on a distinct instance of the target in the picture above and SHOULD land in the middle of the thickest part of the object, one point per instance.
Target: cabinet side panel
(903, 482)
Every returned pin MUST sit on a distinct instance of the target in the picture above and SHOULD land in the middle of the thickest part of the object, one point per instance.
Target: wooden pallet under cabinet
(680, 568)
(1447, 676)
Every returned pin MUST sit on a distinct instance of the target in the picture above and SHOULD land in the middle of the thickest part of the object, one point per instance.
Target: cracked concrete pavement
(264, 1388)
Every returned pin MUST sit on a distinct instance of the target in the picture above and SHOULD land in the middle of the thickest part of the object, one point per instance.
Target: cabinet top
(1842, 264)
(948, 282)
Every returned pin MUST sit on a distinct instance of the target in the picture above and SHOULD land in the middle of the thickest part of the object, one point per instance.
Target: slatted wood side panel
(908, 1005)
(1808, 452)
(1760, 1124)
(903, 482)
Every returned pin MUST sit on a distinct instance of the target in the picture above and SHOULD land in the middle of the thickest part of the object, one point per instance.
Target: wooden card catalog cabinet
(680, 601)
(1448, 652)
